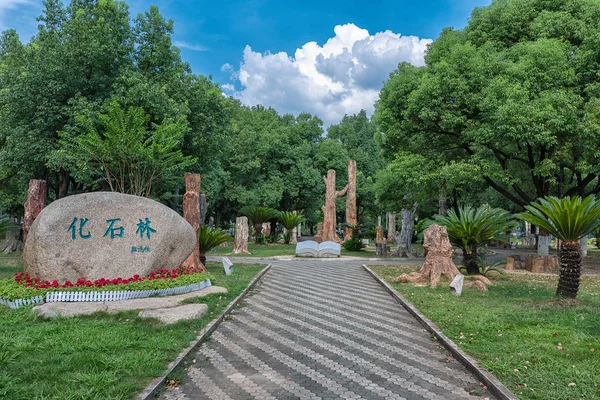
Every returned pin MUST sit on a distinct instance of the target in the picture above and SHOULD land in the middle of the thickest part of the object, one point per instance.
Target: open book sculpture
(313, 249)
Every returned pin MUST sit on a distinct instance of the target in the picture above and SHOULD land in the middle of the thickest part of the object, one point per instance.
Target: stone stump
(541, 264)
(191, 213)
(36, 201)
(513, 263)
(241, 236)
(203, 208)
(379, 238)
(438, 261)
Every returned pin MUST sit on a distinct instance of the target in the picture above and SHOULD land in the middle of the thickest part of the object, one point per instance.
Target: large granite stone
(105, 235)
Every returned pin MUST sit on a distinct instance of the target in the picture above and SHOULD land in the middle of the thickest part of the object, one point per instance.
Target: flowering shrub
(25, 280)
(23, 286)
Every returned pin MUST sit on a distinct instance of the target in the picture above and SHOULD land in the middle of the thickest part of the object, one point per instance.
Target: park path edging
(493, 384)
(156, 384)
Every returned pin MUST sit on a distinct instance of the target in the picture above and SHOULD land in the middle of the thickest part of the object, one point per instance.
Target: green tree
(258, 216)
(119, 150)
(568, 219)
(289, 221)
(513, 95)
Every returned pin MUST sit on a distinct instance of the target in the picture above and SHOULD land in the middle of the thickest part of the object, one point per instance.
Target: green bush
(354, 244)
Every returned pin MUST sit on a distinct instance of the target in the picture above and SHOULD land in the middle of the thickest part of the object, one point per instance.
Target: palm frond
(209, 238)
(290, 220)
(569, 219)
(259, 215)
(474, 227)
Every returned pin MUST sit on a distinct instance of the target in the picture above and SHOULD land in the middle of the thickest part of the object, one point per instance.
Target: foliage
(258, 215)
(118, 148)
(289, 220)
(353, 244)
(569, 219)
(209, 238)
(512, 98)
(472, 228)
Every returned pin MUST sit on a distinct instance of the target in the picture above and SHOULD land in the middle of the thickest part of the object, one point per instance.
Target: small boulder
(478, 285)
(173, 315)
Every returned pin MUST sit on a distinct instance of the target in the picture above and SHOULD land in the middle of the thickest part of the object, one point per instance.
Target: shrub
(354, 244)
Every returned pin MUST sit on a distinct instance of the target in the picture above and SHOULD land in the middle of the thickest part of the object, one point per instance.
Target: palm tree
(569, 219)
(289, 221)
(471, 228)
(258, 216)
(209, 238)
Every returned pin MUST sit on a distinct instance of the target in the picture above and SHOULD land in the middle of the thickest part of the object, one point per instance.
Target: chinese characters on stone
(114, 229)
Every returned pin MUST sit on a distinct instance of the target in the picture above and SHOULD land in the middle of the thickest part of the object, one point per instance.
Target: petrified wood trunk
(13, 242)
(391, 236)
(438, 261)
(351, 217)
(241, 236)
(191, 213)
(379, 238)
(408, 226)
(329, 219)
(319, 236)
(36, 200)
(541, 264)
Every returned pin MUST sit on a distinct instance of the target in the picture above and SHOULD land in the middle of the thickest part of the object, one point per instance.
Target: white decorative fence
(22, 302)
(104, 295)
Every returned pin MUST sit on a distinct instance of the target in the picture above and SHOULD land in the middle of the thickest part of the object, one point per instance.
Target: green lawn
(537, 347)
(9, 267)
(273, 250)
(102, 356)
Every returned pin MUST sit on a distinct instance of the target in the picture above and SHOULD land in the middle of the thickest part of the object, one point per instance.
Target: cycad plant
(209, 238)
(289, 220)
(258, 216)
(569, 219)
(471, 228)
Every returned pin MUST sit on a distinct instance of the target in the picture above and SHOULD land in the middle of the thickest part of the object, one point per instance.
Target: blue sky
(261, 52)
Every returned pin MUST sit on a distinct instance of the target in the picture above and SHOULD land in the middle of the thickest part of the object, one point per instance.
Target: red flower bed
(23, 279)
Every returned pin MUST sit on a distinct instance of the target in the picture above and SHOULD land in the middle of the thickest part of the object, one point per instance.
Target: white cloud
(226, 67)
(189, 46)
(12, 4)
(228, 87)
(341, 77)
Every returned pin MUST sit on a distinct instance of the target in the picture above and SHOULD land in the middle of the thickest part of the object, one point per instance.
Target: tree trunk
(570, 270)
(443, 202)
(36, 201)
(257, 232)
(329, 216)
(13, 241)
(203, 208)
(471, 262)
(63, 189)
(351, 218)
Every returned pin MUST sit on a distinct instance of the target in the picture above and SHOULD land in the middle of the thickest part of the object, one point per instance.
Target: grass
(9, 267)
(103, 356)
(277, 249)
(540, 348)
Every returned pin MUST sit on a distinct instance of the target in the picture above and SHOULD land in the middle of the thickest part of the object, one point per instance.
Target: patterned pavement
(322, 330)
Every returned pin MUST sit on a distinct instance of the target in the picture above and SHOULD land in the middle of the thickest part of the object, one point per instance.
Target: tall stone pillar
(241, 236)
(329, 218)
(36, 201)
(351, 216)
(191, 213)
(391, 238)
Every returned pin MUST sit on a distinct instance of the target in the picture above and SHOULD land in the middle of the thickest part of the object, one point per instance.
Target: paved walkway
(322, 330)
